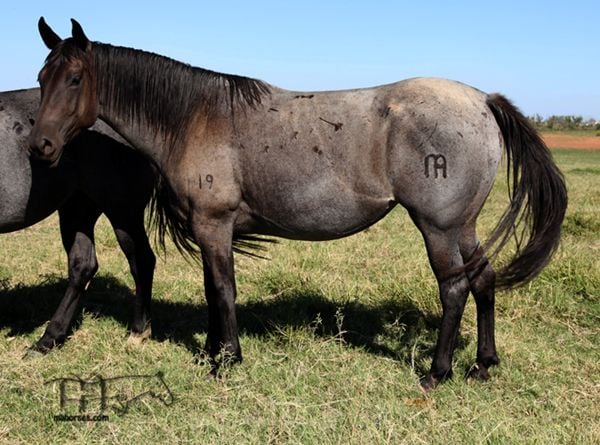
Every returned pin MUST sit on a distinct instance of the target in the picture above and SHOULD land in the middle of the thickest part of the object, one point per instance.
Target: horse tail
(169, 223)
(538, 197)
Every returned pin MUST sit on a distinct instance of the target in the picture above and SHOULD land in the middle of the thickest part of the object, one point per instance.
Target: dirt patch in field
(554, 140)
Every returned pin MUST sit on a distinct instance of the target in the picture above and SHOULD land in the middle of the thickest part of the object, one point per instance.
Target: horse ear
(79, 36)
(50, 38)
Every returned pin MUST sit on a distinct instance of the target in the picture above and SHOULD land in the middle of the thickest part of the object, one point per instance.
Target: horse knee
(82, 267)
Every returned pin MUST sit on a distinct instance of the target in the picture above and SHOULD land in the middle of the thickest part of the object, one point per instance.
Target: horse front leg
(215, 241)
(77, 220)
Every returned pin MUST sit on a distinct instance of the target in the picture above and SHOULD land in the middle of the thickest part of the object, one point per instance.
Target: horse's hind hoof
(137, 338)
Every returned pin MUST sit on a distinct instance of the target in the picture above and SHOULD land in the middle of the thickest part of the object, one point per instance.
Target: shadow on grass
(394, 327)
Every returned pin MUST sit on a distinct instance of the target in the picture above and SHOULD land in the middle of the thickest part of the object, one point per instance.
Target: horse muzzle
(44, 148)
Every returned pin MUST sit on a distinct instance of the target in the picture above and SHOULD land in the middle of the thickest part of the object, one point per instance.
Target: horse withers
(243, 157)
(97, 175)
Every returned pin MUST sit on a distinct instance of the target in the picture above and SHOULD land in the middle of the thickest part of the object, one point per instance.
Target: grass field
(579, 133)
(335, 337)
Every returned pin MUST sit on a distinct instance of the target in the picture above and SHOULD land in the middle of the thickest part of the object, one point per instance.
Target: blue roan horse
(98, 175)
(243, 157)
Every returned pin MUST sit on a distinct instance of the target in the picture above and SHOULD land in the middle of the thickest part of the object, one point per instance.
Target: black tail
(168, 223)
(538, 197)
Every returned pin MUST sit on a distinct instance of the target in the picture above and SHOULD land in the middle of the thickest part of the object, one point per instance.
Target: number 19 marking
(208, 179)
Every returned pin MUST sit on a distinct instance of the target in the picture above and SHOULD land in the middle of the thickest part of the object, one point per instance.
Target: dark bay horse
(97, 175)
(244, 157)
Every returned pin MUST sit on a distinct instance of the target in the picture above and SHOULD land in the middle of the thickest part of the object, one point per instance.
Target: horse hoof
(32, 354)
(137, 338)
(429, 382)
(478, 372)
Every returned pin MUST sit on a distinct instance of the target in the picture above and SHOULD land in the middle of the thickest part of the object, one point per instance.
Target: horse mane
(159, 91)
(167, 94)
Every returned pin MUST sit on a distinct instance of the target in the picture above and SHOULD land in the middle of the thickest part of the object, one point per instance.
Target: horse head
(69, 101)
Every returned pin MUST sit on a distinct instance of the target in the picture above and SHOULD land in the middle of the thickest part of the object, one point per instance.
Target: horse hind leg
(482, 281)
(131, 235)
(447, 264)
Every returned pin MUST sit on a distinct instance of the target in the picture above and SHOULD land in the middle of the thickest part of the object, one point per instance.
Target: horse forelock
(65, 51)
(167, 95)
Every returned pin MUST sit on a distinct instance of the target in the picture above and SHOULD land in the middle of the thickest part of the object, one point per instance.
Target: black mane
(166, 94)
(161, 92)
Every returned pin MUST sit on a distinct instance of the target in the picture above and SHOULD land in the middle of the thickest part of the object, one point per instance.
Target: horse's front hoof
(222, 355)
(45, 344)
(33, 353)
(137, 338)
(429, 382)
(220, 363)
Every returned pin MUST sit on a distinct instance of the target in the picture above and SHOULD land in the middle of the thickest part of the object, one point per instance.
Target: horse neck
(138, 134)
(124, 111)
(155, 102)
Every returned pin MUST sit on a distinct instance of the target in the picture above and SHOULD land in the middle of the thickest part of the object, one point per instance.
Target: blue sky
(544, 55)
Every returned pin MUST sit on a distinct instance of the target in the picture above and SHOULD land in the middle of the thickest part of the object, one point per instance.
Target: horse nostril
(46, 146)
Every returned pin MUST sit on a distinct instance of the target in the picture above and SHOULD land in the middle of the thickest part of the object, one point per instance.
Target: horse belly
(26, 198)
(314, 166)
(319, 210)
(15, 175)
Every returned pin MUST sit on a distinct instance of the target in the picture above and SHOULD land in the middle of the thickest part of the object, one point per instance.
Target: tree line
(564, 123)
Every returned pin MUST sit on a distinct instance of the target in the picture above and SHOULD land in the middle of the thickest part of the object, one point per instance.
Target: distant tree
(568, 122)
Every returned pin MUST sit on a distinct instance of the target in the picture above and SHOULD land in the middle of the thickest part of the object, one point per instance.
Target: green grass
(335, 336)
(581, 132)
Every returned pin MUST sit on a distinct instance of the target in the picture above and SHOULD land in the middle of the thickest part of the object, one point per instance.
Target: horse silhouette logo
(117, 393)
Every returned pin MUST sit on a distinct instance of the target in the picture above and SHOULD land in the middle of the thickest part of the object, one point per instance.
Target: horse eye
(75, 80)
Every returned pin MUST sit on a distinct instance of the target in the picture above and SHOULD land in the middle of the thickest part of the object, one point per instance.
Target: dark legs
(215, 241)
(459, 266)
(444, 256)
(77, 219)
(134, 243)
(482, 280)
